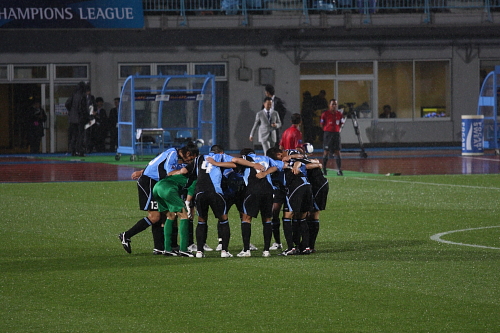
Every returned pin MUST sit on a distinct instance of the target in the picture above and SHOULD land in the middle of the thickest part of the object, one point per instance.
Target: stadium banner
(71, 14)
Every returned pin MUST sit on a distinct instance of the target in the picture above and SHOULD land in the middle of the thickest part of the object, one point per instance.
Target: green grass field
(62, 268)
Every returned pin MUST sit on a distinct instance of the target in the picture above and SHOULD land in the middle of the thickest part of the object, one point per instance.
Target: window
(30, 72)
(172, 69)
(127, 70)
(395, 87)
(71, 72)
(219, 70)
(3, 72)
(355, 68)
(432, 88)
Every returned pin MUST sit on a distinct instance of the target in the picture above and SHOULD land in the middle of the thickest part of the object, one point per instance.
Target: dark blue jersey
(159, 167)
(254, 184)
(210, 176)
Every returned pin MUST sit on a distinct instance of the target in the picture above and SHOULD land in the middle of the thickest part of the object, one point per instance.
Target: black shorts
(300, 199)
(331, 141)
(210, 199)
(255, 203)
(279, 196)
(145, 187)
(320, 197)
(236, 200)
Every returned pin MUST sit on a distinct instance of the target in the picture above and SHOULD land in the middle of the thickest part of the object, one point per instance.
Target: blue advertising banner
(71, 14)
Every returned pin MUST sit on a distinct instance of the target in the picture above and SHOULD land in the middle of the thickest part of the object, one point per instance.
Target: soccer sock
(201, 229)
(287, 230)
(325, 162)
(191, 231)
(313, 232)
(167, 230)
(224, 233)
(304, 232)
(268, 234)
(158, 237)
(183, 234)
(141, 225)
(296, 233)
(219, 232)
(276, 229)
(338, 160)
(175, 233)
(246, 232)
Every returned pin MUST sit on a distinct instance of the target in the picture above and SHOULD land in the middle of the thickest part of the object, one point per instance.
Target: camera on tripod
(350, 110)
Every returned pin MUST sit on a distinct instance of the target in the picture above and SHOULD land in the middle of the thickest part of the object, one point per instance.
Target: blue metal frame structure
(488, 107)
(146, 102)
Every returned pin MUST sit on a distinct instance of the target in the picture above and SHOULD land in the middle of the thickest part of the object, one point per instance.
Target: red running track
(408, 162)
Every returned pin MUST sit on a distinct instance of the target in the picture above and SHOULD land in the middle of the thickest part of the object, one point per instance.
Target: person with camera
(331, 122)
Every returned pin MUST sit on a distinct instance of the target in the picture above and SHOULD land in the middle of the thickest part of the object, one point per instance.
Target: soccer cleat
(307, 251)
(225, 254)
(207, 248)
(219, 247)
(125, 242)
(200, 254)
(290, 252)
(266, 254)
(340, 173)
(170, 253)
(253, 247)
(276, 246)
(244, 253)
(193, 248)
(157, 252)
(185, 254)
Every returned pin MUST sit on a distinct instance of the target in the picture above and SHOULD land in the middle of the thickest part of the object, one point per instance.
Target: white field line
(482, 158)
(437, 238)
(423, 183)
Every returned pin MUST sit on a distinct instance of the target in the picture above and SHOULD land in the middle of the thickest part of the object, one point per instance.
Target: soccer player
(157, 169)
(320, 188)
(209, 194)
(331, 122)
(167, 193)
(258, 198)
(299, 202)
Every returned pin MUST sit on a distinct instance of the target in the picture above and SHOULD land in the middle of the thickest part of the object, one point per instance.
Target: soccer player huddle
(179, 182)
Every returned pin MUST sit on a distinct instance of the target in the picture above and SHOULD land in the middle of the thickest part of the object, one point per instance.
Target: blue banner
(68, 14)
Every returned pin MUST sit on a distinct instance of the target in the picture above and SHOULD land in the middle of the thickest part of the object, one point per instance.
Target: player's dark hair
(270, 89)
(296, 118)
(273, 152)
(246, 151)
(217, 149)
(191, 148)
(99, 99)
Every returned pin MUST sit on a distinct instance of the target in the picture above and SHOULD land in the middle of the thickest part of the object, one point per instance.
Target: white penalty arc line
(379, 179)
(437, 238)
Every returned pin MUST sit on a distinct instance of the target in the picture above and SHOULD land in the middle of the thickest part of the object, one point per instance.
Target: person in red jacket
(331, 122)
(292, 137)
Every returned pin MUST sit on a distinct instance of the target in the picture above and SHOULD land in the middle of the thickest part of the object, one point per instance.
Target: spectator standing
(307, 113)
(101, 125)
(78, 116)
(36, 118)
(266, 121)
(331, 122)
(319, 101)
(113, 125)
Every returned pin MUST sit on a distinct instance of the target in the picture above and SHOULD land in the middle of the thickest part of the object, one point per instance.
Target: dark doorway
(15, 99)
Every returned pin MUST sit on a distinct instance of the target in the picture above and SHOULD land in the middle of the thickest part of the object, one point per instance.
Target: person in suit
(267, 121)
(278, 105)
